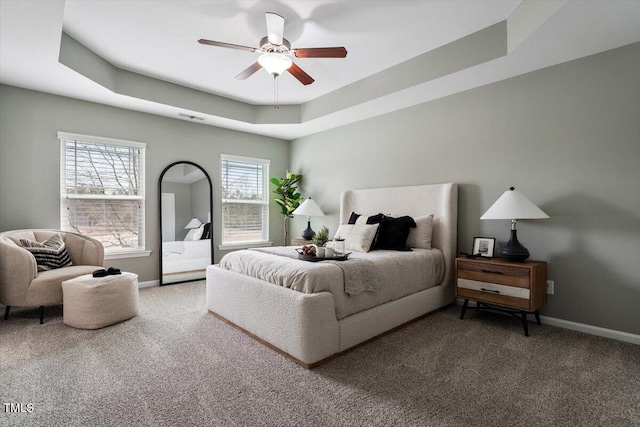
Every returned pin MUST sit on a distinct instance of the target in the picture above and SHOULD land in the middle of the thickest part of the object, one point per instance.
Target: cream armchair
(22, 285)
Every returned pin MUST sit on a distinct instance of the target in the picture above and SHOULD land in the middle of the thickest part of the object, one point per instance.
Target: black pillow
(393, 233)
(206, 233)
(375, 219)
(353, 218)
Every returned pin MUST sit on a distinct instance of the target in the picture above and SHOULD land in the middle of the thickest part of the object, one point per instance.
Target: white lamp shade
(309, 208)
(275, 63)
(514, 205)
(194, 223)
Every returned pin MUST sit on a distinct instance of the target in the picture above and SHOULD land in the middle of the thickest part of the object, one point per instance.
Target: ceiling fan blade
(227, 45)
(299, 74)
(275, 28)
(320, 52)
(249, 71)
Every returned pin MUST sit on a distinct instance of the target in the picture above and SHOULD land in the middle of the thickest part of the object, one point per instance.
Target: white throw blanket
(360, 275)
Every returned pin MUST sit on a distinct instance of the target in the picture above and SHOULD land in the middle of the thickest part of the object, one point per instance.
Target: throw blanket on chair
(360, 275)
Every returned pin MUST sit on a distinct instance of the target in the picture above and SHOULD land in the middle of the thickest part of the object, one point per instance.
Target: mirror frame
(160, 215)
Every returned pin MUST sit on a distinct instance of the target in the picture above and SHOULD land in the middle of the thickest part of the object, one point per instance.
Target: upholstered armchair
(22, 285)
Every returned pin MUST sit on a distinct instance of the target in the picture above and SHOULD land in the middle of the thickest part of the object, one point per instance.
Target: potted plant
(288, 197)
(321, 238)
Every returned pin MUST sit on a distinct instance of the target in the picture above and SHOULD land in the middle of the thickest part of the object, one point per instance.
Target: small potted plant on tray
(321, 238)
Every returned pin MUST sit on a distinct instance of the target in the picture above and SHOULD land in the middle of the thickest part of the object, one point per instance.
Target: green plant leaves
(287, 190)
(321, 237)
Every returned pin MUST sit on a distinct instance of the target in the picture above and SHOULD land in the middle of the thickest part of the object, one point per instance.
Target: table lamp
(514, 205)
(308, 208)
(194, 223)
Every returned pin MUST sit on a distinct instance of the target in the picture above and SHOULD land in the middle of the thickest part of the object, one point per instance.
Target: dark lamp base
(513, 250)
(308, 233)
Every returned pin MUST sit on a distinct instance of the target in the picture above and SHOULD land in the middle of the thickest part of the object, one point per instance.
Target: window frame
(265, 203)
(109, 253)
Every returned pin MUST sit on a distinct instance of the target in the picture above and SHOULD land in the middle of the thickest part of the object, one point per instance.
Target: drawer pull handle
(489, 271)
(489, 290)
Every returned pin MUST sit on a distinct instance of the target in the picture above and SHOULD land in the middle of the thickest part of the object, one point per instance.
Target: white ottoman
(95, 302)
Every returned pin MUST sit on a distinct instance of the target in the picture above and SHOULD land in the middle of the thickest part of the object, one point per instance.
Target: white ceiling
(159, 39)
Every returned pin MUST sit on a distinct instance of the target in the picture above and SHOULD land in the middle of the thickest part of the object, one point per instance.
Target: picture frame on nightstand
(484, 246)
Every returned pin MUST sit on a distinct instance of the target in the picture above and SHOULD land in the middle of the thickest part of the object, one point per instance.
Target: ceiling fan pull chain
(275, 92)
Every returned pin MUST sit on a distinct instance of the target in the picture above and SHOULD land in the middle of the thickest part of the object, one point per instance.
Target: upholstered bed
(185, 260)
(318, 321)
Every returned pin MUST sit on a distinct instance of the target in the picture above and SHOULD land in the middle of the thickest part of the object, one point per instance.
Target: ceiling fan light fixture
(275, 63)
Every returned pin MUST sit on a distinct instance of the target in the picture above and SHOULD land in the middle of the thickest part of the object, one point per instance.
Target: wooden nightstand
(301, 242)
(517, 288)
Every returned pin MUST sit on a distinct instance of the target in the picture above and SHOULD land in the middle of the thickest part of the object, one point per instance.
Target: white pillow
(420, 237)
(194, 234)
(362, 219)
(357, 237)
(343, 231)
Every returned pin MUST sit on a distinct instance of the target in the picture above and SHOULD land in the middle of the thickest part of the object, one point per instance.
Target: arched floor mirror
(185, 196)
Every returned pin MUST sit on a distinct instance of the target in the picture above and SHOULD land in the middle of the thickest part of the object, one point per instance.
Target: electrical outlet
(550, 286)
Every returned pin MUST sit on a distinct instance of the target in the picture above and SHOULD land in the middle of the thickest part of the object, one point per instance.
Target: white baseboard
(588, 329)
(593, 330)
(148, 284)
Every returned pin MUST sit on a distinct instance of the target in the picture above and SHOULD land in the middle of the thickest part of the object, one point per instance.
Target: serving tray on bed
(313, 258)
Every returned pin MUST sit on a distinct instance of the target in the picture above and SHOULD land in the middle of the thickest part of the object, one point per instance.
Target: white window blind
(245, 200)
(102, 190)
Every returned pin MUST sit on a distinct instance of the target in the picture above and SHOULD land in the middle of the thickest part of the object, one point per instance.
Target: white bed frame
(303, 326)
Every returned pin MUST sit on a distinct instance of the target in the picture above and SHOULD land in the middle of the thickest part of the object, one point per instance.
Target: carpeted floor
(176, 364)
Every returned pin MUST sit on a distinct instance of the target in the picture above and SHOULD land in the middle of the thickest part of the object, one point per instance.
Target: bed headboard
(441, 200)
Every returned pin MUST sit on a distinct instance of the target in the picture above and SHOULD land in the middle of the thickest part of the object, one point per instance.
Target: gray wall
(30, 160)
(183, 209)
(568, 137)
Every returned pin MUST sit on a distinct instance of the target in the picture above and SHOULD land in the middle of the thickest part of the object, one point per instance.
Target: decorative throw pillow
(194, 234)
(353, 218)
(50, 254)
(373, 219)
(206, 231)
(393, 233)
(343, 231)
(357, 237)
(420, 237)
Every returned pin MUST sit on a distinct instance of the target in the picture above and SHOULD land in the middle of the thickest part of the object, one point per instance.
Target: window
(102, 191)
(245, 200)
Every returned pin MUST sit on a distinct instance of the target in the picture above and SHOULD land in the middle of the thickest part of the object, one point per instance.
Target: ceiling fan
(276, 52)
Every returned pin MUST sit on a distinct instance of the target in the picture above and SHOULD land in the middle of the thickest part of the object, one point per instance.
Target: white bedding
(186, 256)
(400, 274)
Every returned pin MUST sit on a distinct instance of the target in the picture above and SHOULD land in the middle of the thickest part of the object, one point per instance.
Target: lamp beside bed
(308, 208)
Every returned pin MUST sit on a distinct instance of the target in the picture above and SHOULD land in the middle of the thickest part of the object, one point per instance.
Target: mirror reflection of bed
(185, 223)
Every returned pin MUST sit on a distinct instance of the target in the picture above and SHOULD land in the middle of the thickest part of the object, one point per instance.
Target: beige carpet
(177, 365)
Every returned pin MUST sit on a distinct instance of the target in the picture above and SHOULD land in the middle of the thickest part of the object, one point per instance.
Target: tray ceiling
(144, 55)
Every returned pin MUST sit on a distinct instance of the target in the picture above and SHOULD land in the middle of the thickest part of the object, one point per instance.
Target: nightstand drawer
(497, 299)
(494, 288)
(494, 273)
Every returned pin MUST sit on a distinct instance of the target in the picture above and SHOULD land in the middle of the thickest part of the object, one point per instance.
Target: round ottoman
(95, 302)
